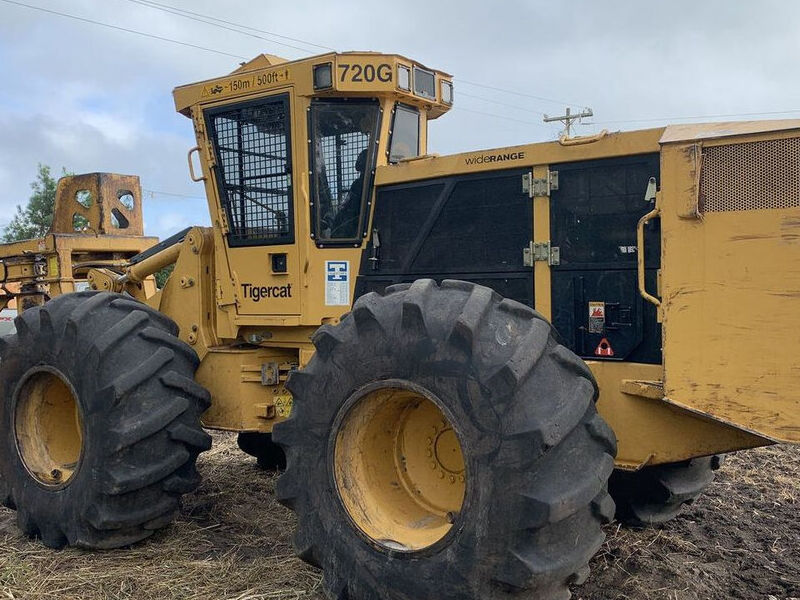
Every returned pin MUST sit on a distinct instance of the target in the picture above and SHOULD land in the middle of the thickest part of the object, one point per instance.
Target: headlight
(323, 76)
(447, 92)
(404, 78)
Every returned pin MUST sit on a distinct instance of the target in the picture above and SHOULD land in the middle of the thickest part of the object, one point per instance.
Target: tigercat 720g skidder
(384, 316)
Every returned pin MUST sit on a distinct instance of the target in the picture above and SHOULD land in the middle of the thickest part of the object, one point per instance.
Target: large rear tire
(99, 420)
(655, 495)
(443, 444)
(269, 455)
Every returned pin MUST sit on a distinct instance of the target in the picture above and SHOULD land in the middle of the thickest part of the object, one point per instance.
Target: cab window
(405, 134)
(343, 135)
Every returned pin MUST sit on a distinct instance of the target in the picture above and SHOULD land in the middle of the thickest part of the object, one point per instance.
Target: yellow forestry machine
(469, 363)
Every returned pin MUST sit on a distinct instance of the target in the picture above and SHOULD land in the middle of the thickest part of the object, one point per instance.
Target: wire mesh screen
(751, 176)
(252, 146)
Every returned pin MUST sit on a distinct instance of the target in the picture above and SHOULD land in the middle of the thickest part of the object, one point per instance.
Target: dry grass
(232, 541)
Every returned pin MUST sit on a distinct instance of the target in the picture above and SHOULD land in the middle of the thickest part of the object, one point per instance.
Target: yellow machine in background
(387, 314)
(97, 221)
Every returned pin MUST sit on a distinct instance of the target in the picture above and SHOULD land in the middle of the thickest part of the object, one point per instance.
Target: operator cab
(361, 110)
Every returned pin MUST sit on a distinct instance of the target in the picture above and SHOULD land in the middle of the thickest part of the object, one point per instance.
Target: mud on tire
(536, 453)
(138, 409)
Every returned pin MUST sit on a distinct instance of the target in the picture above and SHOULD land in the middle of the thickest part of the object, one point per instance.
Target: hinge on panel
(539, 186)
(527, 255)
(273, 373)
(210, 157)
(270, 373)
(541, 252)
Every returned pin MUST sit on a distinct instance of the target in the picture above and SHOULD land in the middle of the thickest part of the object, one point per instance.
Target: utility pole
(568, 118)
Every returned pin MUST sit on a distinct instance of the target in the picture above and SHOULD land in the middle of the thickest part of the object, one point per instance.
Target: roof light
(447, 92)
(424, 83)
(404, 78)
(323, 76)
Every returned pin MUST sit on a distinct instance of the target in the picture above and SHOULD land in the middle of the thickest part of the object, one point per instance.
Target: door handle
(191, 165)
(640, 255)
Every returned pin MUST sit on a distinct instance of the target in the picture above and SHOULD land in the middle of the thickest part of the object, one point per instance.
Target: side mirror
(650, 192)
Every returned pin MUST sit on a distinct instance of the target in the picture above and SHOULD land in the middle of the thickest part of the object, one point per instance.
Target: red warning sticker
(597, 310)
(597, 317)
(604, 348)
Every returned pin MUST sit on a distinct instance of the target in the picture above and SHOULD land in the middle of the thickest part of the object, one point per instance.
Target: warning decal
(337, 283)
(597, 310)
(597, 317)
(604, 348)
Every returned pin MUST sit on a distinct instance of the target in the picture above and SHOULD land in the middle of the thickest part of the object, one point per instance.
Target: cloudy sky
(89, 97)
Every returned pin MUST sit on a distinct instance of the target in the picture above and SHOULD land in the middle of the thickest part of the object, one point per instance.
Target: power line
(215, 21)
(223, 53)
(497, 89)
(160, 193)
(478, 112)
(152, 3)
(118, 28)
(173, 41)
(661, 119)
(500, 103)
(212, 21)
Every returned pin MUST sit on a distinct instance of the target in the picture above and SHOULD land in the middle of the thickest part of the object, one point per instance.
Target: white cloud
(91, 98)
(174, 221)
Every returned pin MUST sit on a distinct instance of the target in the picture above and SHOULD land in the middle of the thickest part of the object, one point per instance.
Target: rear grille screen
(751, 176)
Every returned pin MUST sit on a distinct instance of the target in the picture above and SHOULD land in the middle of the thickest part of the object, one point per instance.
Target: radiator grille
(751, 176)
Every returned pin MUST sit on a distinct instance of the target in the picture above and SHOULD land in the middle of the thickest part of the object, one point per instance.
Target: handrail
(640, 255)
(191, 166)
(583, 139)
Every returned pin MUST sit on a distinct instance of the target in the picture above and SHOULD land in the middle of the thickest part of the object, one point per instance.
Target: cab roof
(352, 74)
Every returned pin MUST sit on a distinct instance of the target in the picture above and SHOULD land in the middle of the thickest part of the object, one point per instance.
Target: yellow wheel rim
(48, 427)
(399, 468)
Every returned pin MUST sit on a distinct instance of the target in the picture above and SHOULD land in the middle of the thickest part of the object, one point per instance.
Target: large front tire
(99, 420)
(442, 444)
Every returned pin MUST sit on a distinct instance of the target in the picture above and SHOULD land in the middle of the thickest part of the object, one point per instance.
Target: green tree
(34, 220)
(163, 275)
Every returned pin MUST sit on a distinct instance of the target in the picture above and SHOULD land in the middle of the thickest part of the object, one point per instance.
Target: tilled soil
(741, 540)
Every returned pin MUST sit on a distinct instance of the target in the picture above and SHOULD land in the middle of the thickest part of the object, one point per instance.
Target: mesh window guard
(252, 148)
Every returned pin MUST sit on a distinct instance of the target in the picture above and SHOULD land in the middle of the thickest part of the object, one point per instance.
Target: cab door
(252, 143)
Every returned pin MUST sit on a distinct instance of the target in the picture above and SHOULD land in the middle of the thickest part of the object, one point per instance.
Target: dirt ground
(739, 541)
